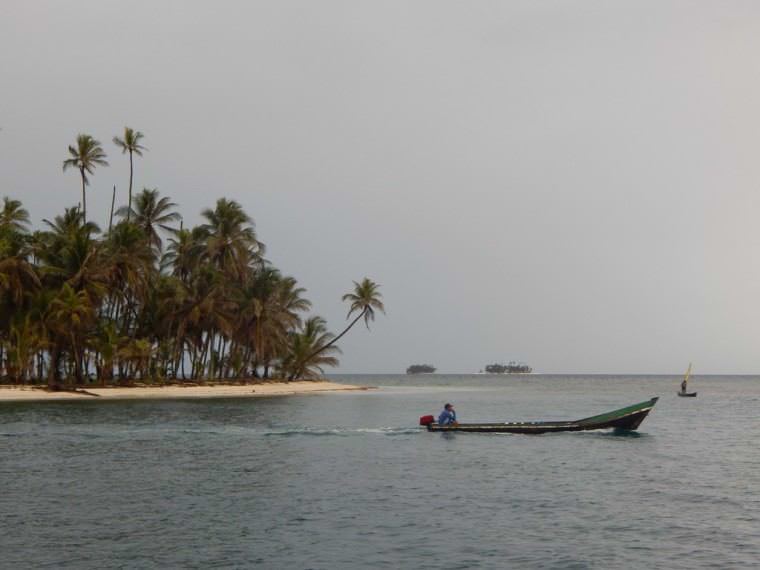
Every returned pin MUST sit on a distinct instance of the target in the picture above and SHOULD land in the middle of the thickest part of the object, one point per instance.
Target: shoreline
(40, 394)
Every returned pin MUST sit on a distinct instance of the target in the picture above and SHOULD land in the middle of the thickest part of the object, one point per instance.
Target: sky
(575, 185)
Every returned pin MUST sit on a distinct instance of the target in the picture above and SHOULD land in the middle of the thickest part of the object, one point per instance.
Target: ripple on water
(352, 481)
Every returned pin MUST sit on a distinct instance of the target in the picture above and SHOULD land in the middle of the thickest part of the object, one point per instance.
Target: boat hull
(687, 394)
(627, 419)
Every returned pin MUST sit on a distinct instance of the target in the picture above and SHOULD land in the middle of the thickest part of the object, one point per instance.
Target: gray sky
(572, 184)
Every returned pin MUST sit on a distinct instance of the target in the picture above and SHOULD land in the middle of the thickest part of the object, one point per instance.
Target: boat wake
(341, 432)
(615, 433)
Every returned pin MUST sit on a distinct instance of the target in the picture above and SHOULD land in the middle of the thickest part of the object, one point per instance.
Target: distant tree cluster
(81, 305)
(420, 369)
(511, 368)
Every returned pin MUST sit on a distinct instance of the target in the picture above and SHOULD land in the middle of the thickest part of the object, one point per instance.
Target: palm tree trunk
(77, 360)
(205, 353)
(53, 379)
(179, 356)
(113, 202)
(84, 198)
(86, 363)
(129, 208)
(245, 363)
(337, 338)
(222, 350)
(195, 356)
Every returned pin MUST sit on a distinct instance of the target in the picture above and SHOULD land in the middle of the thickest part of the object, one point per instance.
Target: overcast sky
(571, 184)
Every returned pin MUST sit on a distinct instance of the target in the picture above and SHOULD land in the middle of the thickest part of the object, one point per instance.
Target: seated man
(448, 416)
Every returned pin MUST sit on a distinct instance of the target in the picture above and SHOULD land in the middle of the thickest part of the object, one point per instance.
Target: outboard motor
(426, 420)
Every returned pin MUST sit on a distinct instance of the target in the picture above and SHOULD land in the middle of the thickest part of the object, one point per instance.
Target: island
(511, 368)
(150, 305)
(420, 369)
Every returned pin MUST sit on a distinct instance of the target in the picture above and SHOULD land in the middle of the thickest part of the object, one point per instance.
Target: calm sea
(348, 481)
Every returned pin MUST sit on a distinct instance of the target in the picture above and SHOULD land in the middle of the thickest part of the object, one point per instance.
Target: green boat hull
(627, 419)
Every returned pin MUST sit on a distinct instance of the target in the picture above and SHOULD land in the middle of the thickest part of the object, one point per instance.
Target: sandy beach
(28, 393)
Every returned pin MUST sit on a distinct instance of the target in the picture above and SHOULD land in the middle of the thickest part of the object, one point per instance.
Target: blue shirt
(447, 417)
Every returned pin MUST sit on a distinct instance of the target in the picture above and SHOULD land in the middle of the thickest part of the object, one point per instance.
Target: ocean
(348, 480)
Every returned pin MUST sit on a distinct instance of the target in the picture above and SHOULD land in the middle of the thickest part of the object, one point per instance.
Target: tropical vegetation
(421, 369)
(150, 300)
(511, 368)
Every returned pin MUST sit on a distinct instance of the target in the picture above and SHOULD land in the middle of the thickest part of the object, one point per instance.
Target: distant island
(420, 369)
(511, 368)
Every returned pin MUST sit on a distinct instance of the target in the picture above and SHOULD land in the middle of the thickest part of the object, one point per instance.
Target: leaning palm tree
(364, 299)
(130, 143)
(85, 156)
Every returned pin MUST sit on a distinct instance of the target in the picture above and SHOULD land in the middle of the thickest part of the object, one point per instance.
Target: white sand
(26, 393)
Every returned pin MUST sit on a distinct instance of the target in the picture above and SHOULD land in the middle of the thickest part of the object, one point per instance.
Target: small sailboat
(683, 393)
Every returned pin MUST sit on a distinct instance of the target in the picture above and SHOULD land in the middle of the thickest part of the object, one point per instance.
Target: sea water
(348, 480)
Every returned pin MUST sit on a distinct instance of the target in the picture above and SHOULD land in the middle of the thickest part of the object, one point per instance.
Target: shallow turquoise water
(347, 480)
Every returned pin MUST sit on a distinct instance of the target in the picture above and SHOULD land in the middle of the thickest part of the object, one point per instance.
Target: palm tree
(138, 353)
(19, 281)
(130, 143)
(74, 300)
(365, 298)
(158, 321)
(13, 217)
(184, 252)
(106, 343)
(85, 156)
(72, 312)
(231, 243)
(310, 350)
(25, 342)
(269, 310)
(17, 278)
(68, 253)
(128, 265)
(152, 213)
(71, 221)
(38, 310)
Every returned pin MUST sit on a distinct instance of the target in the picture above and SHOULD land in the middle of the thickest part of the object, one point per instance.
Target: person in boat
(683, 386)
(448, 416)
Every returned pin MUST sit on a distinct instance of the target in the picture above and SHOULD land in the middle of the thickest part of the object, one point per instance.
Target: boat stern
(427, 421)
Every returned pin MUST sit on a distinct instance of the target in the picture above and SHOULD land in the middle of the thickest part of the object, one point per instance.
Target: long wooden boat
(627, 419)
